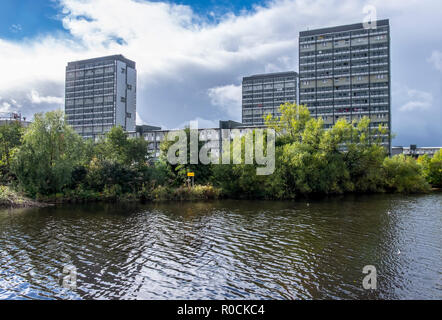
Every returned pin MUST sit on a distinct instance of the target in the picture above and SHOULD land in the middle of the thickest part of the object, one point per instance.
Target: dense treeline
(49, 160)
(348, 157)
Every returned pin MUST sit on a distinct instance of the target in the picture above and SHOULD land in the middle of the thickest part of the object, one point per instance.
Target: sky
(191, 55)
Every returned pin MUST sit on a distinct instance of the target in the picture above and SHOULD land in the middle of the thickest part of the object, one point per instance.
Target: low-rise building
(155, 136)
(415, 151)
(6, 118)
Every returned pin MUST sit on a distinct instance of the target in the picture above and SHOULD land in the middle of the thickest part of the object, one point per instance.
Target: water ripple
(226, 250)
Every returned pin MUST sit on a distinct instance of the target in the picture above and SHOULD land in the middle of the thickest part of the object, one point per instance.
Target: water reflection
(226, 249)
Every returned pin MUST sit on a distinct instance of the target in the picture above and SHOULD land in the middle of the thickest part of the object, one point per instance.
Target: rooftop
(271, 75)
(348, 27)
(106, 58)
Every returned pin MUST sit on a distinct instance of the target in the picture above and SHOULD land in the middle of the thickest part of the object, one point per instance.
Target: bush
(161, 193)
(50, 151)
(403, 174)
(432, 168)
(112, 192)
(198, 192)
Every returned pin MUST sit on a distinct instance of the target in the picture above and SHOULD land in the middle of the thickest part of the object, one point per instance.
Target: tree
(432, 168)
(404, 174)
(364, 156)
(10, 137)
(178, 172)
(241, 180)
(49, 152)
(290, 125)
(116, 146)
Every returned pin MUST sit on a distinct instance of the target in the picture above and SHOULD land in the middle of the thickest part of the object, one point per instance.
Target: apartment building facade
(100, 93)
(344, 72)
(263, 94)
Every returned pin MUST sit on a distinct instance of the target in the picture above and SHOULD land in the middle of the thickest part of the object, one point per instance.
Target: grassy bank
(12, 199)
(160, 193)
(183, 193)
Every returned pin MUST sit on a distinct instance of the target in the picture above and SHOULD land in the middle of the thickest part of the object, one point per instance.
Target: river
(308, 249)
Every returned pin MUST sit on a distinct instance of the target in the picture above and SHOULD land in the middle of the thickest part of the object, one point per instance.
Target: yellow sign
(190, 174)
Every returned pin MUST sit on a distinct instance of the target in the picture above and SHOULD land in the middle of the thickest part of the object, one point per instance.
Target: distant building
(6, 117)
(154, 135)
(101, 94)
(344, 72)
(415, 151)
(264, 93)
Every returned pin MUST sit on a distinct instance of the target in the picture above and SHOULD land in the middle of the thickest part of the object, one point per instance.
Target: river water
(310, 249)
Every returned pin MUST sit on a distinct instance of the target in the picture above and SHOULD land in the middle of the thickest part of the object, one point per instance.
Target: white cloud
(9, 105)
(15, 28)
(139, 120)
(184, 61)
(228, 98)
(35, 97)
(5, 107)
(418, 100)
(436, 59)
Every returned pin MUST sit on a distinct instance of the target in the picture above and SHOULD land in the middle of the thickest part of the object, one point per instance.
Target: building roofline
(119, 57)
(400, 147)
(270, 75)
(349, 27)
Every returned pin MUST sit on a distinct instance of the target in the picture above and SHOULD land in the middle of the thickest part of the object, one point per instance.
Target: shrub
(112, 192)
(403, 174)
(198, 192)
(432, 168)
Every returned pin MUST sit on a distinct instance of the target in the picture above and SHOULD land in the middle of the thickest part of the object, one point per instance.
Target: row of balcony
(335, 38)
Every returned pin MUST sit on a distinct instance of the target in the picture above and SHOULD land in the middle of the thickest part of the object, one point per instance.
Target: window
(123, 70)
(129, 87)
(123, 99)
(128, 115)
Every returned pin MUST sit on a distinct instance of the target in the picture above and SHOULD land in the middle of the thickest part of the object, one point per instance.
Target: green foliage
(432, 168)
(177, 173)
(241, 180)
(117, 147)
(52, 163)
(49, 152)
(364, 158)
(10, 138)
(404, 174)
(198, 192)
(290, 125)
(349, 157)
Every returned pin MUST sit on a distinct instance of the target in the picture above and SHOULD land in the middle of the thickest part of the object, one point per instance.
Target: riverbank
(161, 193)
(12, 199)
